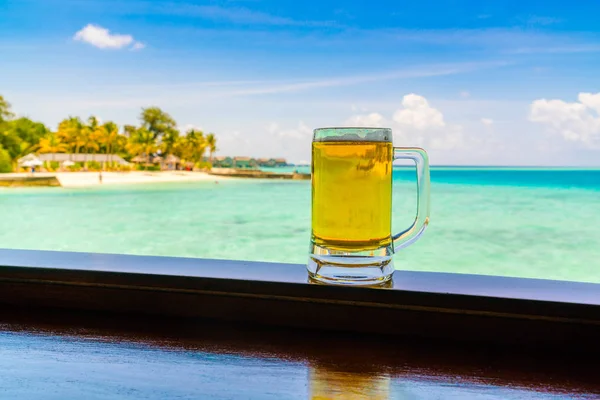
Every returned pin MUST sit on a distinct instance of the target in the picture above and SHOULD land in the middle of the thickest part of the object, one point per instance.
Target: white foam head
(352, 135)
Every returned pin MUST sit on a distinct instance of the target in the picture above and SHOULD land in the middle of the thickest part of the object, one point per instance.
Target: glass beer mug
(351, 240)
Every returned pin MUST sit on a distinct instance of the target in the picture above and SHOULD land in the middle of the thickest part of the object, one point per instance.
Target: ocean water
(541, 223)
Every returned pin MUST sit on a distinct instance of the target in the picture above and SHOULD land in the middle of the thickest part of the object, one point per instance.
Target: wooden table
(99, 326)
(66, 355)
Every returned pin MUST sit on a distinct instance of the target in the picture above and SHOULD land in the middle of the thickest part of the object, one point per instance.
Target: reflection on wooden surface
(326, 383)
(64, 356)
(384, 285)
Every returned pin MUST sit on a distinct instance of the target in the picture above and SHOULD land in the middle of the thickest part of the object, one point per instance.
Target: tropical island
(156, 140)
(154, 150)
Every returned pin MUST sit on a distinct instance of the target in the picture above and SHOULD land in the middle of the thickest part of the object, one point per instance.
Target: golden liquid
(352, 195)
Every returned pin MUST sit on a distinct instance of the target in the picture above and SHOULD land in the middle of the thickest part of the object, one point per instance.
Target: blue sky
(474, 82)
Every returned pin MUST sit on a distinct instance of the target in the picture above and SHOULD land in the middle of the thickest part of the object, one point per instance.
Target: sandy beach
(78, 179)
(83, 179)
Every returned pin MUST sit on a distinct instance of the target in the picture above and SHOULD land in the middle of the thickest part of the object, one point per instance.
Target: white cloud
(571, 48)
(373, 120)
(187, 127)
(451, 139)
(464, 94)
(418, 113)
(513, 40)
(415, 124)
(235, 143)
(575, 122)
(183, 94)
(138, 46)
(302, 132)
(452, 136)
(590, 100)
(273, 127)
(237, 15)
(541, 20)
(271, 140)
(102, 38)
(423, 71)
(355, 108)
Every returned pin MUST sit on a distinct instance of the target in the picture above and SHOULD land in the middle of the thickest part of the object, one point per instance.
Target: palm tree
(180, 149)
(157, 122)
(211, 142)
(51, 143)
(5, 113)
(71, 132)
(195, 144)
(168, 141)
(142, 143)
(92, 133)
(120, 146)
(129, 130)
(110, 134)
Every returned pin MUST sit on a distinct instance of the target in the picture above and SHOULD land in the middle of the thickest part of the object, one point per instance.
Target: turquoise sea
(542, 223)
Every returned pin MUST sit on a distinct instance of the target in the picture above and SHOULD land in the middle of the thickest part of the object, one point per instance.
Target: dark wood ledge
(473, 308)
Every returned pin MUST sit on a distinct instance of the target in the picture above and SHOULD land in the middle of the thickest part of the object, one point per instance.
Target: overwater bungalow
(222, 162)
(244, 162)
(280, 162)
(247, 162)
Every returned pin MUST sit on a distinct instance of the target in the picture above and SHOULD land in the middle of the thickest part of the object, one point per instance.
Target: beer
(352, 194)
(352, 241)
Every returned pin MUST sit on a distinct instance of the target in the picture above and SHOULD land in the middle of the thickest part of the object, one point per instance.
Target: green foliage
(110, 135)
(211, 143)
(157, 133)
(51, 143)
(9, 141)
(20, 136)
(142, 144)
(129, 130)
(123, 168)
(94, 166)
(204, 165)
(5, 113)
(120, 147)
(157, 122)
(149, 167)
(5, 161)
(192, 146)
(28, 130)
(71, 131)
(169, 140)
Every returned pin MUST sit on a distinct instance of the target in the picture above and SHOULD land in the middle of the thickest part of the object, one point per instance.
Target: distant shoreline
(89, 179)
(258, 174)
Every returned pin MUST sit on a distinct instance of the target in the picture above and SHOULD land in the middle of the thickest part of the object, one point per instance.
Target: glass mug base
(350, 268)
(358, 271)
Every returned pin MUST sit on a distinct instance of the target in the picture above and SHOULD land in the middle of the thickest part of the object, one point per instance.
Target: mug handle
(419, 156)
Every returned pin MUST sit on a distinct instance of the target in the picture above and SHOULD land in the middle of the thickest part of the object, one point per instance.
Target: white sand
(79, 179)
